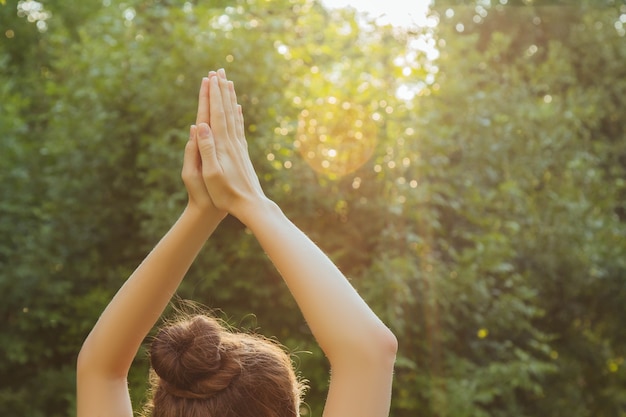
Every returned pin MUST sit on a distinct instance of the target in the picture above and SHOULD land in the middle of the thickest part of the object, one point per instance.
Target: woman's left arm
(107, 353)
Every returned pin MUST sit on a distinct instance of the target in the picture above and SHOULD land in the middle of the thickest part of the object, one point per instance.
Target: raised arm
(110, 348)
(360, 348)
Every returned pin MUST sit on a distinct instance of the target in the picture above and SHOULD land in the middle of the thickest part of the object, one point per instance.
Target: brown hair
(200, 369)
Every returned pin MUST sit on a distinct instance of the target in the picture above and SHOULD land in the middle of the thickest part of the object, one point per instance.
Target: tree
(467, 176)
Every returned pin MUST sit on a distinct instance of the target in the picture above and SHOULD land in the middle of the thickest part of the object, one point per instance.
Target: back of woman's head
(203, 370)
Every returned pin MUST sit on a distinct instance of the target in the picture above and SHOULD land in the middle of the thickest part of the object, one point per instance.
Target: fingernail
(203, 130)
(222, 73)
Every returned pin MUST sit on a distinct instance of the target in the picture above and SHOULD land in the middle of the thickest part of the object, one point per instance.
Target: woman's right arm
(360, 348)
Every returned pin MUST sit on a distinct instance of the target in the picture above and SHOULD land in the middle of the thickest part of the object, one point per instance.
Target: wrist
(251, 212)
(205, 214)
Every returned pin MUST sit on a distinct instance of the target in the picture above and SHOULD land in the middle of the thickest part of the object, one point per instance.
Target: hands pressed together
(217, 170)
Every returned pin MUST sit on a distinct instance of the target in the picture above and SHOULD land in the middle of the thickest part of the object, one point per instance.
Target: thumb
(208, 151)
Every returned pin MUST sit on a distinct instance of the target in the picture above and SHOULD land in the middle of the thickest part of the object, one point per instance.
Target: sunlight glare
(394, 12)
(336, 139)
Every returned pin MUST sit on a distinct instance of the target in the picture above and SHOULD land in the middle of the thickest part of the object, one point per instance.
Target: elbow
(382, 349)
(83, 360)
(371, 356)
(387, 345)
(88, 361)
(376, 347)
(392, 342)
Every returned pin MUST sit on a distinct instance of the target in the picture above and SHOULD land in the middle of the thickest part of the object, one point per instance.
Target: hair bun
(186, 355)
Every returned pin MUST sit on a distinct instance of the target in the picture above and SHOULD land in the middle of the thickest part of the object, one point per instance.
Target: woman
(199, 368)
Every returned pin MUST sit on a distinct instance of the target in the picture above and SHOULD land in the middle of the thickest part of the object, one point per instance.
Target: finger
(203, 102)
(218, 117)
(232, 98)
(237, 114)
(194, 157)
(208, 151)
(211, 74)
(239, 124)
(229, 111)
(190, 155)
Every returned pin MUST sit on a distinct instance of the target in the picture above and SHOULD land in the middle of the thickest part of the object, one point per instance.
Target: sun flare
(337, 138)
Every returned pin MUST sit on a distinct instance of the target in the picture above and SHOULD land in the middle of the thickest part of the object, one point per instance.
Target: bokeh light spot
(336, 138)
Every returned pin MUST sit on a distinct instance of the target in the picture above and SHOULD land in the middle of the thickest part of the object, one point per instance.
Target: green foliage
(469, 177)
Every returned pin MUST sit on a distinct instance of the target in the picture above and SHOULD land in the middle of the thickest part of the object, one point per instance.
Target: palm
(227, 170)
(192, 165)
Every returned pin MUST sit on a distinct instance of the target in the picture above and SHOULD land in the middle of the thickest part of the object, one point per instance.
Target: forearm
(338, 317)
(120, 330)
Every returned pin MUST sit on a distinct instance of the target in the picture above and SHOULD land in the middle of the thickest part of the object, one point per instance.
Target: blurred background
(465, 167)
